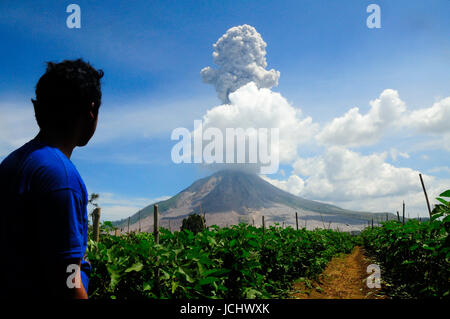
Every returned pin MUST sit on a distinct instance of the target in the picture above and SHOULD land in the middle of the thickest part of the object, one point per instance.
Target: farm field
(243, 261)
(414, 257)
(237, 262)
(345, 277)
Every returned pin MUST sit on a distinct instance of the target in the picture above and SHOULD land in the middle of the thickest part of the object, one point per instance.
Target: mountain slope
(230, 196)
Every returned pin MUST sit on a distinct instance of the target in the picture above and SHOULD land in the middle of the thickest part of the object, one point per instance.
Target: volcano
(230, 197)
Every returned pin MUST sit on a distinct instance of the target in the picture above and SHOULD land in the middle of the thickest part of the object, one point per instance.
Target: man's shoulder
(53, 167)
(43, 168)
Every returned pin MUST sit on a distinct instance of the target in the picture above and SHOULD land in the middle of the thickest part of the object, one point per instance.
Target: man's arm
(69, 279)
(65, 245)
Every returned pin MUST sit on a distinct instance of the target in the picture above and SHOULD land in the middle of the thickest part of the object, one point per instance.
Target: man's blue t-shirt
(43, 219)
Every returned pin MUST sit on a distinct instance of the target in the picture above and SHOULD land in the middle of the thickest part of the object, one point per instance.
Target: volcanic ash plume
(240, 55)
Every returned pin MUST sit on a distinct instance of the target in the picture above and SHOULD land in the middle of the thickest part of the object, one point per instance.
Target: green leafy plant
(443, 209)
(107, 227)
(415, 257)
(240, 261)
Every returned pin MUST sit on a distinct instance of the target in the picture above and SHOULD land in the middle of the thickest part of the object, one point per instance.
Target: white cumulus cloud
(294, 184)
(340, 173)
(360, 182)
(395, 154)
(435, 119)
(356, 129)
(252, 107)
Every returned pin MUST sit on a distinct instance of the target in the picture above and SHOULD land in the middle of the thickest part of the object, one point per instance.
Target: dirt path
(343, 278)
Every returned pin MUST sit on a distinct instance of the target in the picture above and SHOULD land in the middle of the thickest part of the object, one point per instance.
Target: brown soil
(343, 278)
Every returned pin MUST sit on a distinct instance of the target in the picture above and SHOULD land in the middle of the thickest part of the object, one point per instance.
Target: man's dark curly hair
(66, 89)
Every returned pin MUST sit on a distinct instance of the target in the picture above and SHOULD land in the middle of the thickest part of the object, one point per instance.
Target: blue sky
(152, 53)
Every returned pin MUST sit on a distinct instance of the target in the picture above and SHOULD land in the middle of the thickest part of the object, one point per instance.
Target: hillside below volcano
(230, 196)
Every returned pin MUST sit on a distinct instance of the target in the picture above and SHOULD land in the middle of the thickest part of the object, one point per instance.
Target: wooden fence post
(403, 213)
(426, 196)
(155, 223)
(398, 217)
(323, 223)
(96, 223)
(372, 222)
(296, 219)
(263, 225)
(115, 232)
(156, 234)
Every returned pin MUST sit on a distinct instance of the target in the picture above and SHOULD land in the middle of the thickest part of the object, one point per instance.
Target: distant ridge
(232, 196)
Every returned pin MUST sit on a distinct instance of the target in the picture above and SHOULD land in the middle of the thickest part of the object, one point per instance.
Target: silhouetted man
(43, 199)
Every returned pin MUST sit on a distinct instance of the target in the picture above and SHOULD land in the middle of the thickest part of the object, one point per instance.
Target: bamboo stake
(155, 223)
(96, 223)
(296, 219)
(139, 221)
(398, 216)
(426, 196)
(263, 225)
(323, 223)
(403, 212)
(156, 234)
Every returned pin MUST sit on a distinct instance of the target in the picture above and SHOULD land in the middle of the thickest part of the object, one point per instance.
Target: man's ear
(92, 111)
